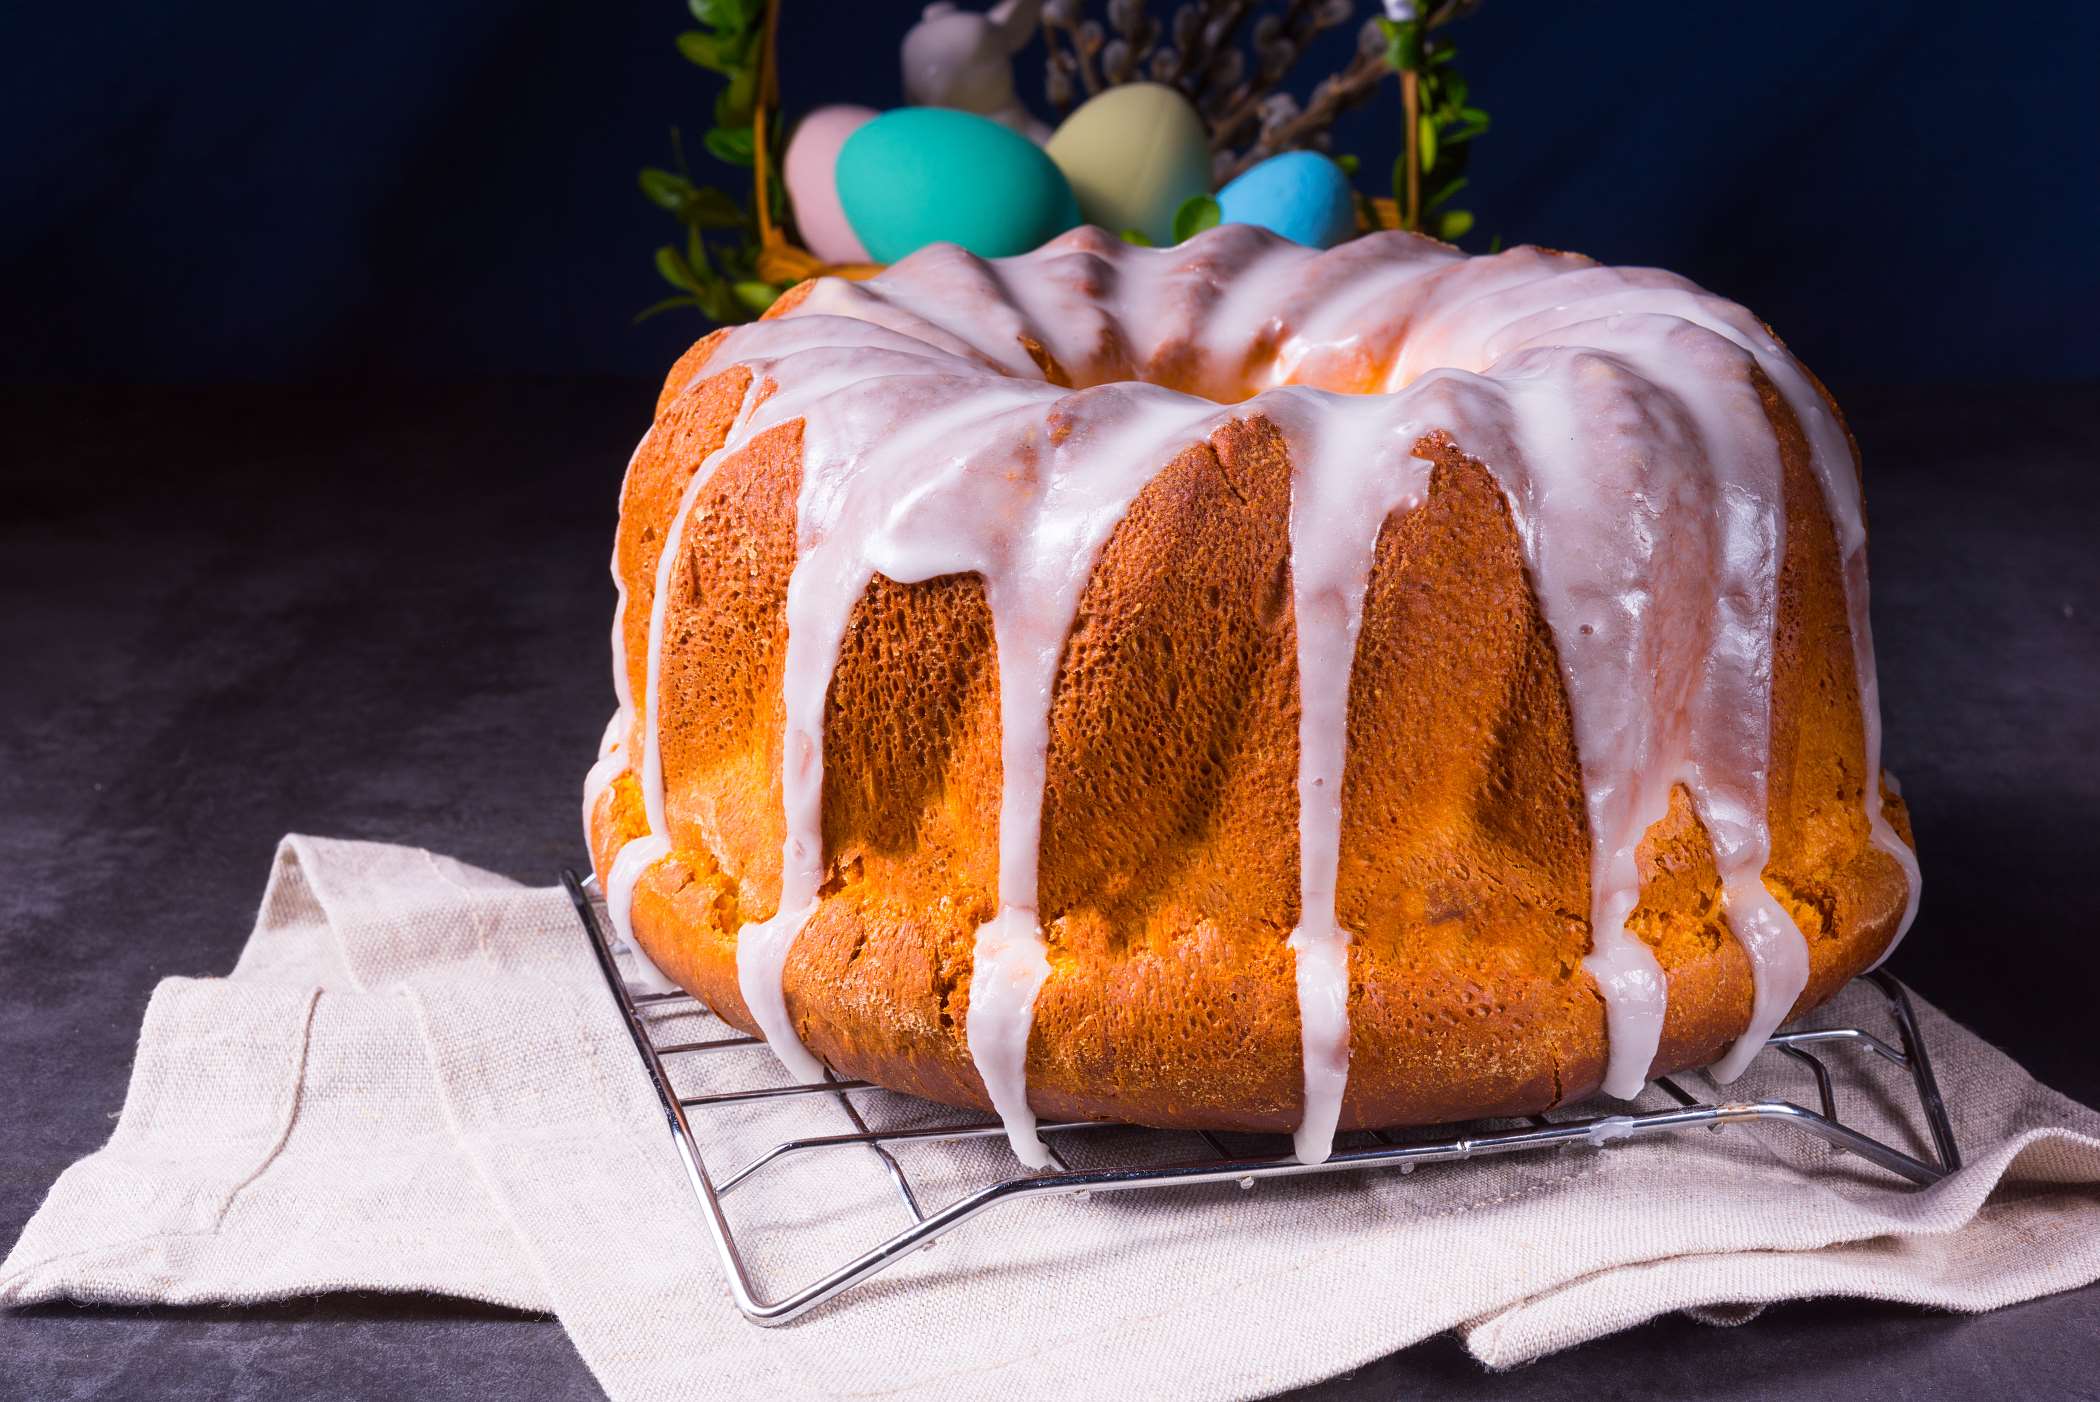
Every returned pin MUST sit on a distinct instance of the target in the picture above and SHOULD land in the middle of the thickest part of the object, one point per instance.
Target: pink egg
(812, 155)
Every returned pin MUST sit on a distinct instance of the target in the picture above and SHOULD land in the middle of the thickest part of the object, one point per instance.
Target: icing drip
(1034, 538)
(613, 760)
(610, 765)
(1008, 964)
(1833, 465)
(1666, 639)
(1709, 542)
(633, 859)
(1352, 467)
(637, 856)
(1000, 418)
(918, 474)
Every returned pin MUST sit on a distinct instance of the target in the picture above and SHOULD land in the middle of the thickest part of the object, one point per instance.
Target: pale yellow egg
(1132, 155)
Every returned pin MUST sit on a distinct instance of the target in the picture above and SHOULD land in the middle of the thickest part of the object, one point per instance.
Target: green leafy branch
(716, 274)
(1196, 213)
(1441, 123)
(723, 267)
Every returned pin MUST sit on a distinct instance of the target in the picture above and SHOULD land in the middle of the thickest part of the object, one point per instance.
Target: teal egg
(920, 175)
(1300, 194)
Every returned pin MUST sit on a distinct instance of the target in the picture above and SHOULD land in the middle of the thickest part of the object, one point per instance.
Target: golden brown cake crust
(1169, 854)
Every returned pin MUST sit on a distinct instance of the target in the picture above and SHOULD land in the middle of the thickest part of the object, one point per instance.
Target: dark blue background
(446, 187)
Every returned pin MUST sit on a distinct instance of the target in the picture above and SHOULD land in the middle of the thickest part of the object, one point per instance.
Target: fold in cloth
(414, 1080)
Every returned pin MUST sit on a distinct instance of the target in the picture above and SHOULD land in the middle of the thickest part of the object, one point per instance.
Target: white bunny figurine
(959, 58)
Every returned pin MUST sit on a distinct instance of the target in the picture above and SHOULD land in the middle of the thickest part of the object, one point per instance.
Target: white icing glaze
(1008, 964)
(633, 859)
(1617, 409)
(1609, 1129)
(610, 765)
(1352, 466)
(612, 759)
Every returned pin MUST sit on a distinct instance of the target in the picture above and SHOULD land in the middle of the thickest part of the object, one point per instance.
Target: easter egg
(809, 170)
(1133, 154)
(1299, 194)
(920, 175)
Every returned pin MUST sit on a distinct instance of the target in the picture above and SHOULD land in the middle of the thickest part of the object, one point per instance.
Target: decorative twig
(1202, 33)
(1279, 41)
(1123, 57)
(1250, 113)
(1294, 129)
(1411, 147)
(735, 256)
(1440, 125)
(1085, 40)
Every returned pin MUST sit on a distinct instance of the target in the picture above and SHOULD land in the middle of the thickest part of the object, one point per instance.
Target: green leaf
(1445, 192)
(720, 14)
(672, 267)
(735, 103)
(1197, 213)
(665, 305)
(719, 304)
(756, 295)
(1425, 136)
(739, 263)
(730, 144)
(665, 188)
(776, 184)
(1495, 244)
(710, 51)
(1348, 163)
(1403, 44)
(1466, 123)
(1136, 236)
(1453, 225)
(709, 208)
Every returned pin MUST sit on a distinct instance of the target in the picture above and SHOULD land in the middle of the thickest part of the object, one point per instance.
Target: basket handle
(761, 119)
(778, 260)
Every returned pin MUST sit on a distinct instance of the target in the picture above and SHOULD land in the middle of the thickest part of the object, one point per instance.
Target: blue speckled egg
(920, 175)
(1300, 194)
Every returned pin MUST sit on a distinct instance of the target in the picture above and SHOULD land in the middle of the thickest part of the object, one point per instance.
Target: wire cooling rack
(1245, 1160)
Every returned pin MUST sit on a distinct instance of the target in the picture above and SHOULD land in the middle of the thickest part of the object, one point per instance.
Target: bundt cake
(1236, 686)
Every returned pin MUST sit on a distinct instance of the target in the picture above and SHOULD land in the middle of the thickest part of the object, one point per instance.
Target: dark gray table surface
(381, 613)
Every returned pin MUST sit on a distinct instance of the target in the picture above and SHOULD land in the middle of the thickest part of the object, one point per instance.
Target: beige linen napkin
(414, 1080)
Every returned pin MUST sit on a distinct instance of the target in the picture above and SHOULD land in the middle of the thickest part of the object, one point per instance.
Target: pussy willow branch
(1352, 85)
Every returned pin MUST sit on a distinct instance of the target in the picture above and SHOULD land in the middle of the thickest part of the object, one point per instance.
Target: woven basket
(782, 261)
